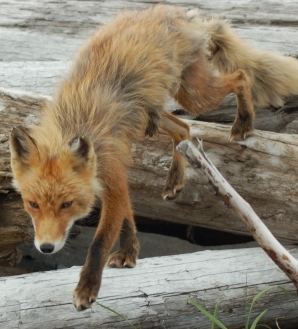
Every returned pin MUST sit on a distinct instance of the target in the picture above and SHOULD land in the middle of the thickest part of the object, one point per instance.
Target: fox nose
(47, 248)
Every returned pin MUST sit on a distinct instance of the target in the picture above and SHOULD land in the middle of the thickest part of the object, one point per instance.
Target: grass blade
(257, 319)
(215, 313)
(207, 314)
(289, 295)
(119, 314)
(258, 296)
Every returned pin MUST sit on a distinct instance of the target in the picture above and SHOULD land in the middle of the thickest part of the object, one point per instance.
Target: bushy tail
(273, 76)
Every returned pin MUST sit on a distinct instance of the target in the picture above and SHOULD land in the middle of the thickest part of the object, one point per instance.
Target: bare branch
(200, 162)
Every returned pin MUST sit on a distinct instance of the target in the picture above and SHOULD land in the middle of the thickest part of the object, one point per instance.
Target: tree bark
(232, 277)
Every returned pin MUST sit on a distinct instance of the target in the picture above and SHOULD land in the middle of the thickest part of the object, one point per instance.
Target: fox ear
(82, 148)
(22, 146)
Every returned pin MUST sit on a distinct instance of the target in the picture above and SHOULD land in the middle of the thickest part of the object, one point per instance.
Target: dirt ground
(74, 253)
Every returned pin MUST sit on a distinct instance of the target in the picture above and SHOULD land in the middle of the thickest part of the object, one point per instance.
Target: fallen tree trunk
(232, 277)
(263, 169)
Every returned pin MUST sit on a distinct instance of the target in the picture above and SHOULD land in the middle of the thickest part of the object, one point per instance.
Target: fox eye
(33, 204)
(66, 205)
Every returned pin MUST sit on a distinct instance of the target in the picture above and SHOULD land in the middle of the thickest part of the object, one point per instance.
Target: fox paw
(121, 259)
(241, 129)
(84, 296)
(172, 193)
(174, 185)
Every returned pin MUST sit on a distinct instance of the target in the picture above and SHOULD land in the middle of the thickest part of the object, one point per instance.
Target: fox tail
(273, 76)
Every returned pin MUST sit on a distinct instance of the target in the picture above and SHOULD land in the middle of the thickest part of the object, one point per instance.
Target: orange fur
(117, 89)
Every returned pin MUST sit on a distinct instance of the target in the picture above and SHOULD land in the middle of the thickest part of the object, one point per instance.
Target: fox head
(56, 190)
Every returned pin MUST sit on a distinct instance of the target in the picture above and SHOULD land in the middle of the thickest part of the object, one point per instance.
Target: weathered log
(273, 24)
(263, 169)
(15, 227)
(202, 165)
(232, 277)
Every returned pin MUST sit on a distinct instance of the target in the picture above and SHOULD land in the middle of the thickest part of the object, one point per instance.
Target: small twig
(200, 162)
(276, 321)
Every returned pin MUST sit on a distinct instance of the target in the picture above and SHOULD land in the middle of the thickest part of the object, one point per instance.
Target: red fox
(117, 89)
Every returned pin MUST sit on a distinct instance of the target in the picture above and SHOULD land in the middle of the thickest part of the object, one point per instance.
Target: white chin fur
(58, 245)
(37, 244)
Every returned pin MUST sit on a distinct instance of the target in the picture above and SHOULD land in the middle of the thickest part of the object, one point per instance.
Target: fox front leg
(116, 214)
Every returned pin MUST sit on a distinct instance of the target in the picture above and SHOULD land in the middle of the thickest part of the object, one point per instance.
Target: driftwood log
(263, 169)
(155, 294)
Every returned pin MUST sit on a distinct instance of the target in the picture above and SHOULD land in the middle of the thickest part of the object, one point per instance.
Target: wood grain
(155, 294)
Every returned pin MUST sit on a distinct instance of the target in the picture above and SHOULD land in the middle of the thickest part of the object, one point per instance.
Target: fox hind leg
(179, 131)
(243, 124)
(202, 91)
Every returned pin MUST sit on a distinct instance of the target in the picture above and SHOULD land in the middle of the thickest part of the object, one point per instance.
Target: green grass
(119, 314)
(256, 323)
(215, 322)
